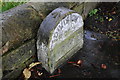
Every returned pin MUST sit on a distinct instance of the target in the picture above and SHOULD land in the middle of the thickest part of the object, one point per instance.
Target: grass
(8, 5)
(93, 12)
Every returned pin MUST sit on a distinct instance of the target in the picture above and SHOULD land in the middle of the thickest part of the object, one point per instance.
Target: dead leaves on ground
(27, 71)
(78, 63)
(40, 74)
(34, 64)
(5, 48)
(103, 66)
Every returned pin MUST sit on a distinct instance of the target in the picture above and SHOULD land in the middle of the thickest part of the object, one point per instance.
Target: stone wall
(19, 29)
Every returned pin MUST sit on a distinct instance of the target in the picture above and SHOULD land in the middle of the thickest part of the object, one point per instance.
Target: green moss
(8, 5)
(93, 12)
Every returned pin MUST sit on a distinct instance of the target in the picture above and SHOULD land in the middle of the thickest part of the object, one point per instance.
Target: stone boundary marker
(19, 29)
(59, 37)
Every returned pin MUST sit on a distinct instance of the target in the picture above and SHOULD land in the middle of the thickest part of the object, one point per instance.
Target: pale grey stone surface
(59, 37)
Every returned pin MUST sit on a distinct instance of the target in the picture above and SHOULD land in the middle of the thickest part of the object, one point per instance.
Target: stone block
(59, 37)
(15, 60)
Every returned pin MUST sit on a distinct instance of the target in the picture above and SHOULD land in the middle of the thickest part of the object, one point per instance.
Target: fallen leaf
(113, 12)
(106, 17)
(40, 74)
(103, 66)
(79, 62)
(26, 73)
(110, 19)
(34, 64)
(5, 48)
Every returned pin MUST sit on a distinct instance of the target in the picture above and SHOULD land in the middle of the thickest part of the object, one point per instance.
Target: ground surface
(106, 20)
(100, 55)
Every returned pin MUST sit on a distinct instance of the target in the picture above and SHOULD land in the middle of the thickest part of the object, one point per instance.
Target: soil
(100, 55)
(106, 20)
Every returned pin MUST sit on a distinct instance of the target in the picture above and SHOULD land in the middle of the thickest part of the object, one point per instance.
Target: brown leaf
(113, 12)
(40, 74)
(103, 66)
(26, 73)
(79, 62)
(5, 48)
(34, 64)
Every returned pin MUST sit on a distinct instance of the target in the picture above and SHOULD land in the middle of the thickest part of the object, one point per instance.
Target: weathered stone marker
(59, 37)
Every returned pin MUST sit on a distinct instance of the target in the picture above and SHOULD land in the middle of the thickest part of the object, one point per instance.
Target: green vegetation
(8, 5)
(99, 18)
(93, 12)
